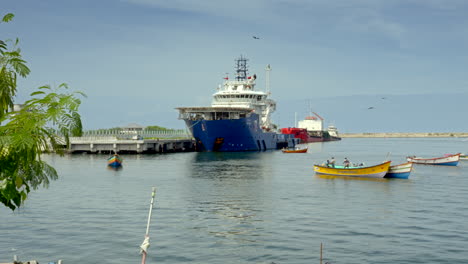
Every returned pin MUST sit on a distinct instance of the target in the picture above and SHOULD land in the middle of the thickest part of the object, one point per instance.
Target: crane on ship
(317, 116)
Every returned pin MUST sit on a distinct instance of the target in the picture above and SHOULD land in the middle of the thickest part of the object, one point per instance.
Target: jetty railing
(148, 134)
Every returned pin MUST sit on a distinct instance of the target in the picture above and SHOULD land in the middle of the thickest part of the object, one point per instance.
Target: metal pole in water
(321, 253)
(145, 245)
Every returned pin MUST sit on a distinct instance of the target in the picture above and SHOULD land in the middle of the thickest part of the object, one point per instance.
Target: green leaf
(8, 17)
(18, 182)
(36, 93)
(45, 87)
(24, 195)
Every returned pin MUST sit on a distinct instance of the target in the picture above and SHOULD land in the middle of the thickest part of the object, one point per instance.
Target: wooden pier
(107, 145)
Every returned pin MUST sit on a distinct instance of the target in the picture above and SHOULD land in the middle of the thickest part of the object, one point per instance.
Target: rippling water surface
(259, 207)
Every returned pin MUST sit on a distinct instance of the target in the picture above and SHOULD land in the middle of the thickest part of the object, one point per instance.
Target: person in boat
(346, 163)
(332, 162)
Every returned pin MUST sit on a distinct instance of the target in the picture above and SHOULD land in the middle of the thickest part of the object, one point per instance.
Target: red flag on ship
(226, 78)
(250, 77)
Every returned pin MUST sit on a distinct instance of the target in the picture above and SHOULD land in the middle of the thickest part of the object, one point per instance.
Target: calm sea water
(262, 207)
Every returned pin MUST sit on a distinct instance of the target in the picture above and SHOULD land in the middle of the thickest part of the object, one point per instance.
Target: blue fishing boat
(400, 171)
(114, 161)
(238, 118)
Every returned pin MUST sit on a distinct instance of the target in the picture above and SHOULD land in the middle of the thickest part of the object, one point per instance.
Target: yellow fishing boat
(375, 171)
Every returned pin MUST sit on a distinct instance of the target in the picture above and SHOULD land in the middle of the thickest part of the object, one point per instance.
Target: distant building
(132, 128)
(17, 107)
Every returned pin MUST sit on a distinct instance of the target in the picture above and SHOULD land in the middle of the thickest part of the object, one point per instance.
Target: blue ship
(238, 118)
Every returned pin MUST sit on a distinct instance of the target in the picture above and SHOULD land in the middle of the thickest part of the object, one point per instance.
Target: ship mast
(241, 68)
(267, 79)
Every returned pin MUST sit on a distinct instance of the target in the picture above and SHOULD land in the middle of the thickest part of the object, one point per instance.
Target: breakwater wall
(404, 135)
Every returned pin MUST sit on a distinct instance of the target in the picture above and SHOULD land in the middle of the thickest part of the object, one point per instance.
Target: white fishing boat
(447, 160)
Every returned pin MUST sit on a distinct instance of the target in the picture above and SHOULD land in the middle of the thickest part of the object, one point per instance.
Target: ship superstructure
(241, 93)
(238, 118)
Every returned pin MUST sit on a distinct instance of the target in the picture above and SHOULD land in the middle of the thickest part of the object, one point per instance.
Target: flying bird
(371, 107)
(255, 37)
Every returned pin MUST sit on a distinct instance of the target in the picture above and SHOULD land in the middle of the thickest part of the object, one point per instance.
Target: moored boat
(375, 171)
(463, 156)
(299, 133)
(114, 161)
(238, 118)
(296, 150)
(448, 160)
(311, 129)
(400, 171)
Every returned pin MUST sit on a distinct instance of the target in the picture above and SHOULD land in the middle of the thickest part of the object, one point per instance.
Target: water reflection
(227, 191)
(114, 168)
(226, 166)
(351, 178)
(315, 147)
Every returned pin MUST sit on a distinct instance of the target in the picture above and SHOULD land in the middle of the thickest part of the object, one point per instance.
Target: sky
(137, 60)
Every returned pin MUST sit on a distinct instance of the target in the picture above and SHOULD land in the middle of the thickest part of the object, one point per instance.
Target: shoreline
(405, 135)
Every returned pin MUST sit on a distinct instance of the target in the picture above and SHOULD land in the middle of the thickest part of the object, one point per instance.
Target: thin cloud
(372, 22)
(241, 8)
(381, 17)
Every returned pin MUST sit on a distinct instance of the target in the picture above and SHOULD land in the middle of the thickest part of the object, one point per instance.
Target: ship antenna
(267, 79)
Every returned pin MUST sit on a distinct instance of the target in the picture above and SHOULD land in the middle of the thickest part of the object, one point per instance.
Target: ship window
(242, 96)
(259, 98)
(237, 96)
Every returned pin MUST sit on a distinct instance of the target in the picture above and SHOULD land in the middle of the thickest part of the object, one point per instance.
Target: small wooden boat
(400, 171)
(297, 150)
(448, 160)
(115, 161)
(375, 171)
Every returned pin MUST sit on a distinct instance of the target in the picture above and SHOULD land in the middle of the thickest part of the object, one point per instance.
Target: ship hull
(320, 136)
(231, 135)
(321, 139)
